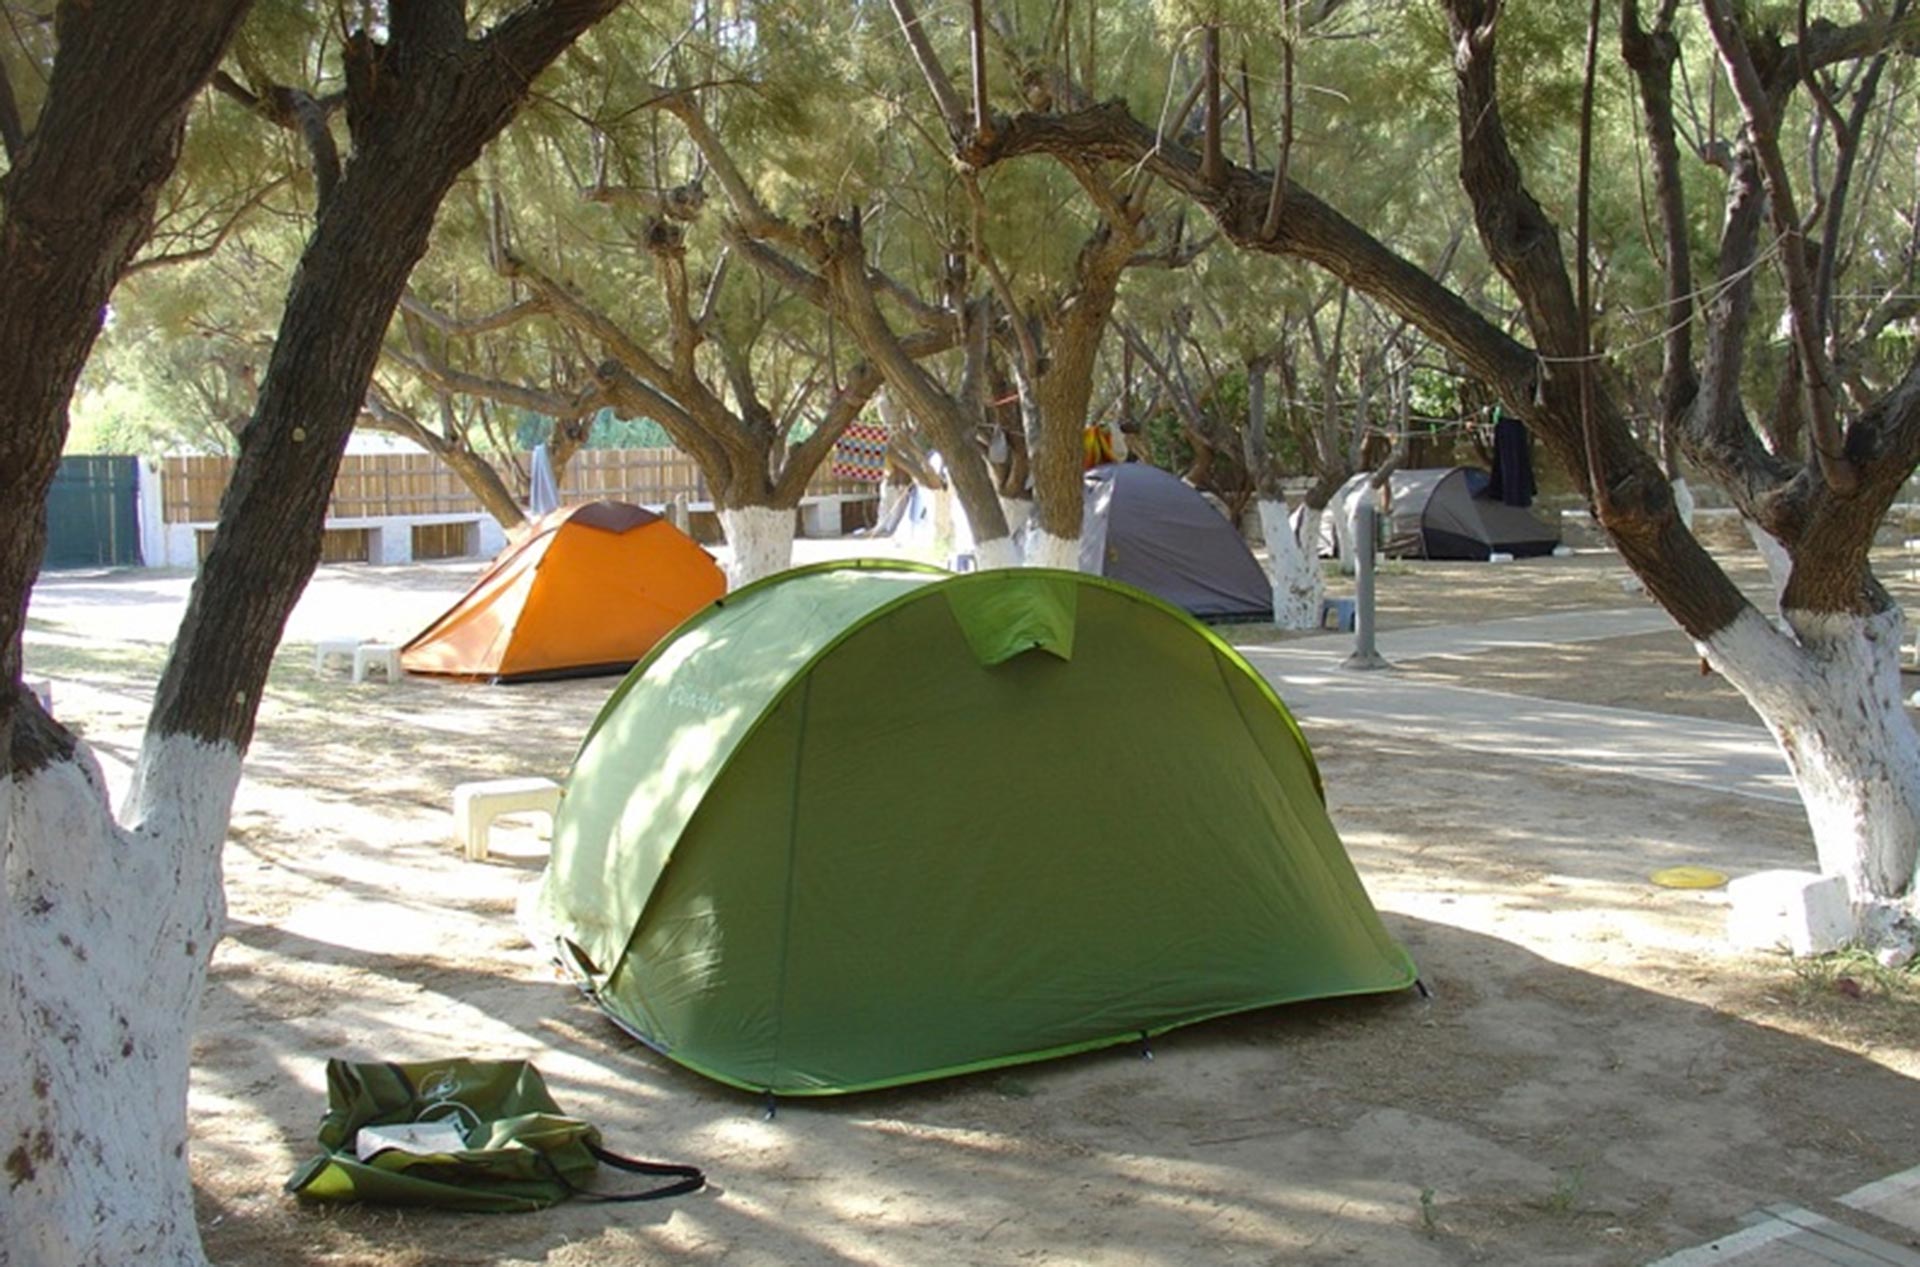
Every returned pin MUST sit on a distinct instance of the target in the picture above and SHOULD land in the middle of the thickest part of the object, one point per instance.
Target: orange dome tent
(590, 590)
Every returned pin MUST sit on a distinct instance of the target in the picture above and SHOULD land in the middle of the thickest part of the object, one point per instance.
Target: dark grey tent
(1150, 529)
(1446, 513)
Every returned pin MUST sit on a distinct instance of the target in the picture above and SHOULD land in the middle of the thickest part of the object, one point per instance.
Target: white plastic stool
(333, 649)
(376, 655)
(476, 805)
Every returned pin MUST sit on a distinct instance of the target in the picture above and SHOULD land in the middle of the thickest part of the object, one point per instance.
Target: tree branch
(219, 237)
(1651, 55)
(297, 111)
(464, 327)
(13, 134)
(1803, 317)
(438, 374)
(952, 110)
(682, 202)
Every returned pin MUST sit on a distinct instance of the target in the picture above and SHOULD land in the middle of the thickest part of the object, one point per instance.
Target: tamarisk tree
(1826, 681)
(109, 920)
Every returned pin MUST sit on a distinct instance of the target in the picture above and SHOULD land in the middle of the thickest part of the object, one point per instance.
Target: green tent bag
(481, 1135)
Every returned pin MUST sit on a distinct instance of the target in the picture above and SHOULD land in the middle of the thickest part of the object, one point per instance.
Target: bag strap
(686, 1178)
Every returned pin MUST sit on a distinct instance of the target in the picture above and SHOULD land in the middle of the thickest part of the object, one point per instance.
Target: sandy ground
(1597, 1079)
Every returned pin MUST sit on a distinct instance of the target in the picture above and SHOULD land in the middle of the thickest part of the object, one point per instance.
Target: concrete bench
(376, 655)
(476, 805)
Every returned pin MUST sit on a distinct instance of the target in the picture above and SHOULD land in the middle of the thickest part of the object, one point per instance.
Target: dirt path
(1595, 1081)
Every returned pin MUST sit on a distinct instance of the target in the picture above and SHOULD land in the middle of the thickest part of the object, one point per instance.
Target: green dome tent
(861, 825)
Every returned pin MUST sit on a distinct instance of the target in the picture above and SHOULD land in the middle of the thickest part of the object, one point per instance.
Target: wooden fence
(376, 485)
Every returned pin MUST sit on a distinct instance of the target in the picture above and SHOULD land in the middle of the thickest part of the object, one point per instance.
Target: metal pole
(1366, 533)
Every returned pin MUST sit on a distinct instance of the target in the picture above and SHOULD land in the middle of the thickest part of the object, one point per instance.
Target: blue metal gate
(93, 513)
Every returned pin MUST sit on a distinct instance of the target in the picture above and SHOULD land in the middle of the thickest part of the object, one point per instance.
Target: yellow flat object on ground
(1689, 878)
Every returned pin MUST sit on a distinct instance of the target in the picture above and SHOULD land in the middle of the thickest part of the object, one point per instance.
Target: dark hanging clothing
(1512, 480)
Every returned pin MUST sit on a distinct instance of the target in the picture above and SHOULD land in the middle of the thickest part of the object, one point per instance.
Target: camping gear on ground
(1445, 513)
(589, 590)
(1150, 528)
(481, 1135)
(1688, 878)
(866, 824)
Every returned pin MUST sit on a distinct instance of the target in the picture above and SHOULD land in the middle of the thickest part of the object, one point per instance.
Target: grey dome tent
(1151, 529)
(1446, 513)
(865, 824)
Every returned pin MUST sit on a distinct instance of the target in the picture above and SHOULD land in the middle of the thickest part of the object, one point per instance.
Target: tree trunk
(107, 932)
(1829, 533)
(1298, 586)
(1018, 512)
(1683, 504)
(761, 541)
(101, 963)
(474, 472)
(1832, 701)
(107, 971)
(1060, 397)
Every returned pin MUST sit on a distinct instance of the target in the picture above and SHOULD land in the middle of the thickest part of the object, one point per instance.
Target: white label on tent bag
(423, 1138)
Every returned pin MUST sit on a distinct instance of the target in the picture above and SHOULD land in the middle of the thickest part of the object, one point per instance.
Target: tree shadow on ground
(1530, 1112)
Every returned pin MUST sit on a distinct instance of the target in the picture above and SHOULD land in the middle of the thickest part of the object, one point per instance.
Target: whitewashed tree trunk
(1308, 536)
(892, 494)
(1000, 552)
(1298, 586)
(1044, 550)
(103, 974)
(1779, 562)
(761, 541)
(1019, 511)
(1832, 702)
(945, 513)
(1683, 504)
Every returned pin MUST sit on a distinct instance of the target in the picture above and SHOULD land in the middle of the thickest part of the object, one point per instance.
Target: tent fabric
(807, 847)
(590, 589)
(1448, 513)
(1151, 529)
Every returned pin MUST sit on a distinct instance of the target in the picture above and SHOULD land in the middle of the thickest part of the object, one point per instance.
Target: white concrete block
(1809, 914)
(1499, 556)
